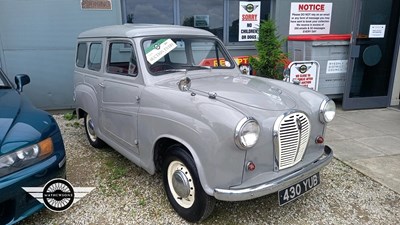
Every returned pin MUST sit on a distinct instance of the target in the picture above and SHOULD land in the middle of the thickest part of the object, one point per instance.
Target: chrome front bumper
(277, 184)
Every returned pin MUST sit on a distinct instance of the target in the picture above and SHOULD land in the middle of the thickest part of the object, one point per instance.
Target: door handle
(102, 85)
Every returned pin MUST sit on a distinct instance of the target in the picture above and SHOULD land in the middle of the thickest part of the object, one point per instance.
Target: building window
(204, 14)
(234, 17)
(95, 53)
(220, 17)
(149, 11)
(81, 55)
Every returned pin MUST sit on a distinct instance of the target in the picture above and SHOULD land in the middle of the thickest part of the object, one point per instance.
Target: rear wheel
(91, 134)
(183, 188)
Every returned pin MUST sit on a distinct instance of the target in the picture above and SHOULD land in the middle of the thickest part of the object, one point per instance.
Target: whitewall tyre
(183, 187)
(91, 134)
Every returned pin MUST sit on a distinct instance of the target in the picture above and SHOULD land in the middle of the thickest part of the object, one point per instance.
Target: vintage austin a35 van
(212, 132)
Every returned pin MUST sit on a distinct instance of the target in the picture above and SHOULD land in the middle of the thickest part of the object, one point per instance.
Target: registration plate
(291, 193)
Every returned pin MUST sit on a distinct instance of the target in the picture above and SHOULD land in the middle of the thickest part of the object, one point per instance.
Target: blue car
(31, 151)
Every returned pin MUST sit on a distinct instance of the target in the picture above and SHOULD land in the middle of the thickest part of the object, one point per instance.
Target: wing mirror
(21, 80)
(184, 84)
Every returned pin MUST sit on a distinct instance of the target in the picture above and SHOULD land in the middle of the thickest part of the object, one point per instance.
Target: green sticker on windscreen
(159, 49)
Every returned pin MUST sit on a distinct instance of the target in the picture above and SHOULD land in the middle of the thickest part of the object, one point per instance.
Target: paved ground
(369, 141)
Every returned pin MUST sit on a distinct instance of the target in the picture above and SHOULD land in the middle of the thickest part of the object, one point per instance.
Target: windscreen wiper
(198, 67)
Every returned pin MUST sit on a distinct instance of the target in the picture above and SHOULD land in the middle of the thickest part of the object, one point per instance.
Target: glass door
(370, 74)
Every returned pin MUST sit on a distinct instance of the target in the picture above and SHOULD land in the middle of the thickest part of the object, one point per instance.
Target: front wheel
(91, 134)
(183, 188)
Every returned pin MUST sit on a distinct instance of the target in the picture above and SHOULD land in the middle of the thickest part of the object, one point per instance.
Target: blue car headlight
(24, 157)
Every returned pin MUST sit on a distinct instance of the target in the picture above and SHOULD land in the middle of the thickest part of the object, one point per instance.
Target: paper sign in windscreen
(159, 49)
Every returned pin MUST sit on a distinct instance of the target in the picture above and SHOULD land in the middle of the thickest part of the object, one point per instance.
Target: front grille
(292, 133)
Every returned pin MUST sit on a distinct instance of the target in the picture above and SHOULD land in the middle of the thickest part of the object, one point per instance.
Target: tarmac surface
(368, 141)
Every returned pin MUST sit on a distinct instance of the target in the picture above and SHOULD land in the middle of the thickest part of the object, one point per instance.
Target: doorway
(372, 55)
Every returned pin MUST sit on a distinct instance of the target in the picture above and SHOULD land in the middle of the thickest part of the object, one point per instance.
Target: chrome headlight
(24, 157)
(327, 111)
(246, 133)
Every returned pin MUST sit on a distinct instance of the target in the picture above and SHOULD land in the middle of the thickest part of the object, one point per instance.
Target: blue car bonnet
(10, 103)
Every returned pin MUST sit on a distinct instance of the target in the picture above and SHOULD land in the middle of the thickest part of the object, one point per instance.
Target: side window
(81, 55)
(122, 59)
(95, 54)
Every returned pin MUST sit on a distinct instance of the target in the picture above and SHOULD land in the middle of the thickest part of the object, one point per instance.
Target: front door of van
(372, 52)
(120, 96)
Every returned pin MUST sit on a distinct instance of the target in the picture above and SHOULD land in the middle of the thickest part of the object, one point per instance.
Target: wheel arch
(86, 101)
(80, 113)
(160, 150)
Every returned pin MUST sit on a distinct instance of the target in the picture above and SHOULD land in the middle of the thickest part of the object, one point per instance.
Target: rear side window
(95, 55)
(81, 55)
(122, 59)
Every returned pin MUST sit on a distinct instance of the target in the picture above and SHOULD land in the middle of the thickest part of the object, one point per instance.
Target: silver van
(172, 100)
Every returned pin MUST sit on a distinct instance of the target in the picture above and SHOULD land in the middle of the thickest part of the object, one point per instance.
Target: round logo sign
(58, 195)
(249, 8)
(303, 69)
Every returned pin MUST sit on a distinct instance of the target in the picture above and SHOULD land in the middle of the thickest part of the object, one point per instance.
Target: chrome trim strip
(276, 140)
(275, 135)
(238, 130)
(277, 184)
(322, 110)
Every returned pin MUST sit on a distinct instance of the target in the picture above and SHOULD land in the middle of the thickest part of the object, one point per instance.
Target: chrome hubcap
(181, 184)
(90, 128)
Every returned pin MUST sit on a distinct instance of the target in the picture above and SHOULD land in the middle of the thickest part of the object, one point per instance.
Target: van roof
(140, 30)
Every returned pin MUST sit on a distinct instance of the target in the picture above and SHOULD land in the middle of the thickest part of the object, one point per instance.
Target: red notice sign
(310, 18)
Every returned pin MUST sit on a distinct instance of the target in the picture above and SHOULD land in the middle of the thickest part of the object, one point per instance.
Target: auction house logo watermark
(58, 194)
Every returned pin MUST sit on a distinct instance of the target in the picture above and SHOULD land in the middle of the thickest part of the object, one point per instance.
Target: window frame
(108, 59)
(77, 54)
(215, 39)
(124, 14)
(180, 9)
(89, 64)
(225, 33)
